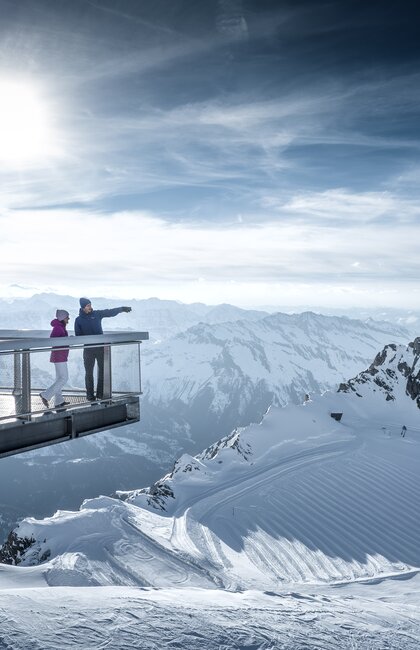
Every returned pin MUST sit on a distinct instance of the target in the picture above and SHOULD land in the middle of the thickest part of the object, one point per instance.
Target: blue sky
(239, 151)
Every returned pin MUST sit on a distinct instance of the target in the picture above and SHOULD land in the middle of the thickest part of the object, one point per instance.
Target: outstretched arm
(108, 313)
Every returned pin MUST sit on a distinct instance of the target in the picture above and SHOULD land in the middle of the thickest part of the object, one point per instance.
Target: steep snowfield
(329, 505)
(295, 533)
(300, 498)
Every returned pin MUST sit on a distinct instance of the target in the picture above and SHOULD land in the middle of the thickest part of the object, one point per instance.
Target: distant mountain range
(166, 318)
(162, 318)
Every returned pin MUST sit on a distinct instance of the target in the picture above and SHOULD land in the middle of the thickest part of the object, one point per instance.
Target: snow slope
(352, 617)
(231, 372)
(297, 499)
(300, 532)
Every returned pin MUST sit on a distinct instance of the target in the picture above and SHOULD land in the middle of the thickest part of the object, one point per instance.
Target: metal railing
(26, 370)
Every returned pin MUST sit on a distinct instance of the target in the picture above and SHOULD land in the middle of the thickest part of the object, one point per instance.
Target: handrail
(18, 340)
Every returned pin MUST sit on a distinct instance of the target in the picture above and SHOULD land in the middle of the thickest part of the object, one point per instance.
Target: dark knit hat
(84, 302)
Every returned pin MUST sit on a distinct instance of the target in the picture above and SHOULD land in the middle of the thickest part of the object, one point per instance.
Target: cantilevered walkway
(25, 370)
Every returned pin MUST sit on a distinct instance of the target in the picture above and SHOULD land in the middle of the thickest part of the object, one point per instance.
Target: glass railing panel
(24, 374)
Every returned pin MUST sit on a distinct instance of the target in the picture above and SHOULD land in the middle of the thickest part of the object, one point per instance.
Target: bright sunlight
(25, 125)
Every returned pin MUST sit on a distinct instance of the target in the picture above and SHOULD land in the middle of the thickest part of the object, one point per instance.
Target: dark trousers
(90, 355)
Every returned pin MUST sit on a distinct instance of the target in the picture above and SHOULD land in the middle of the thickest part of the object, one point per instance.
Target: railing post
(107, 394)
(22, 382)
(26, 381)
(17, 381)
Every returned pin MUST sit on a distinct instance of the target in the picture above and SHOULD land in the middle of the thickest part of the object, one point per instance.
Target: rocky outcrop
(413, 378)
(391, 367)
(14, 547)
(159, 494)
(233, 441)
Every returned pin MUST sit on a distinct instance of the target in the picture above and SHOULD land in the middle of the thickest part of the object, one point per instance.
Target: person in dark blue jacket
(89, 322)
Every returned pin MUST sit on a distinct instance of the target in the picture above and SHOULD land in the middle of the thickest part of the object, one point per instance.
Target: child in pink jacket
(59, 359)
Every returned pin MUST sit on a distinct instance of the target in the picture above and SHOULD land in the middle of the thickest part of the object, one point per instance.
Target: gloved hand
(127, 309)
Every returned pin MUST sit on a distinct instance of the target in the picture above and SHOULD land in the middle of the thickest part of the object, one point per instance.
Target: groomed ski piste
(298, 532)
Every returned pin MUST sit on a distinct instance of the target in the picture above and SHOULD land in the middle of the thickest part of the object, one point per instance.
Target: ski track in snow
(125, 618)
(336, 512)
(339, 512)
(341, 516)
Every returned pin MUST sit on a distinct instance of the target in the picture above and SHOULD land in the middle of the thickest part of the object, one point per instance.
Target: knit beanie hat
(61, 314)
(84, 302)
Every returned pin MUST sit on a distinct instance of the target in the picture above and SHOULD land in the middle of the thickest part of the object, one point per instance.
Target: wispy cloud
(238, 143)
(131, 252)
(347, 209)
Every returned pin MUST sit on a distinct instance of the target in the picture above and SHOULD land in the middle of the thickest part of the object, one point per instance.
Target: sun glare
(25, 129)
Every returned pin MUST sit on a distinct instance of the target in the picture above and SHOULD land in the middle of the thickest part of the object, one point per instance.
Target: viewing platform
(26, 370)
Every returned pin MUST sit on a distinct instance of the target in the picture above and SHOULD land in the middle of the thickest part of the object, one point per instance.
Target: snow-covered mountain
(233, 372)
(199, 385)
(299, 498)
(405, 317)
(387, 373)
(293, 528)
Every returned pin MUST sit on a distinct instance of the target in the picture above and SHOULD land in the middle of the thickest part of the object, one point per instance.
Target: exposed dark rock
(404, 368)
(45, 556)
(157, 494)
(382, 384)
(232, 441)
(416, 345)
(380, 358)
(413, 387)
(189, 468)
(386, 370)
(14, 547)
